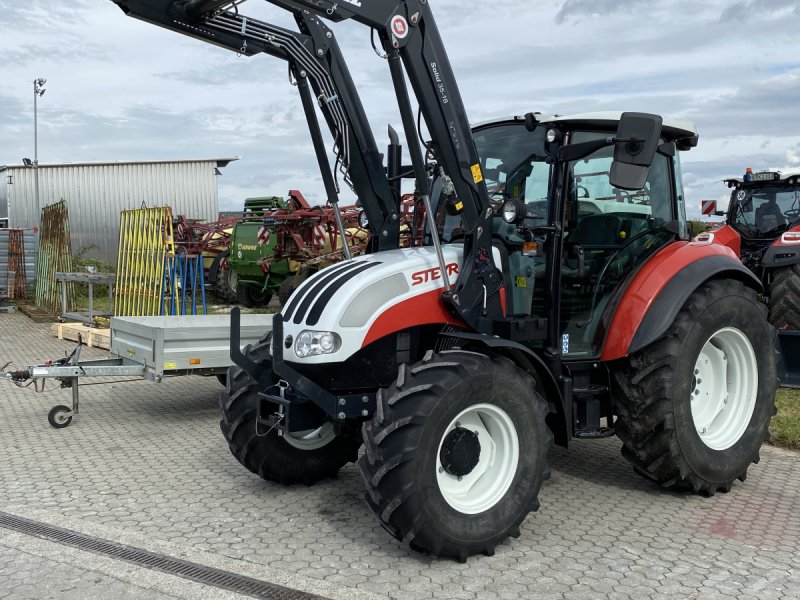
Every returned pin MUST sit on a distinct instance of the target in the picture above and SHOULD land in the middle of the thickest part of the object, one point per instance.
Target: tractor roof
(672, 128)
(767, 176)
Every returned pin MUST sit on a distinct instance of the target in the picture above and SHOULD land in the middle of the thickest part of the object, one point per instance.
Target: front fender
(783, 253)
(661, 287)
(530, 361)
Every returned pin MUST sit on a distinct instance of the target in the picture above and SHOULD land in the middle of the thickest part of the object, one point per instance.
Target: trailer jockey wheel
(456, 453)
(60, 416)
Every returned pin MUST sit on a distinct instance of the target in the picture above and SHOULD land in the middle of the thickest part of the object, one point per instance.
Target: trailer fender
(559, 421)
(657, 293)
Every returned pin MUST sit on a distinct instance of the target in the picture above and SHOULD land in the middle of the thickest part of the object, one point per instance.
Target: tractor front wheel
(784, 298)
(693, 408)
(300, 457)
(456, 453)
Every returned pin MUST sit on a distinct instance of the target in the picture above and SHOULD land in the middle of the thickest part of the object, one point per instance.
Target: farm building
(96, 193)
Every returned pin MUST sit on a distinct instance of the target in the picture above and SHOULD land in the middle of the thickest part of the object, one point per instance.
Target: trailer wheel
(694, 407)
(252, 297)
(304, 457)
(784, 298)
(60, 416)
(225, 281)
(456, 453)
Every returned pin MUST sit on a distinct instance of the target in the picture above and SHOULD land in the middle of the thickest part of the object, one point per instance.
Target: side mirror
(638, 136)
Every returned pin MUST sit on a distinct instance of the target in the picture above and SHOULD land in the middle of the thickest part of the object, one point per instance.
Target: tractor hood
(366, 298)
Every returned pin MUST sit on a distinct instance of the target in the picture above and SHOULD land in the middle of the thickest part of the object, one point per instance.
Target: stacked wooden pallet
(91, 336)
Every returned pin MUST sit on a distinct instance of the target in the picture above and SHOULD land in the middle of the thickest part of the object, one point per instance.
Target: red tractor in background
(763, 227)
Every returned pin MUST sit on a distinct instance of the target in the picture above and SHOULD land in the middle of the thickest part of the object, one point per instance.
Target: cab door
(608, 232)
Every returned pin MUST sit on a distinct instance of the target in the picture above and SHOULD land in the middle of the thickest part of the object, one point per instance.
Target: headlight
(791, 238)
(312, 343)
(510, 211)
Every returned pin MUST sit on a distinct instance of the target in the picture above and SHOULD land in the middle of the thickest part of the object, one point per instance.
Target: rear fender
(525, 358)
(661, 287)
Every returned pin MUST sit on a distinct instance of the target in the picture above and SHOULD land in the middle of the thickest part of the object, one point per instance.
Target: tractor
(763, 223)
(557, 296)
(276, 249)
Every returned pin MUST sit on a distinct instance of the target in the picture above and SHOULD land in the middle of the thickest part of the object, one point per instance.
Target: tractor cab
(763, 207)
(564, 221)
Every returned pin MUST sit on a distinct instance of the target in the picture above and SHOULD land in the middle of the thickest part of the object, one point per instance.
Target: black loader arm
(321, 74)
(409, 34)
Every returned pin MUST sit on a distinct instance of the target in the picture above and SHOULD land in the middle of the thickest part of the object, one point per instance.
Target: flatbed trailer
(150, 348)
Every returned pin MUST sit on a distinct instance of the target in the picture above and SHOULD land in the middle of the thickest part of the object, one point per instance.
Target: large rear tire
(291, 283)
(456, 453)
(694, 407)
(784, 298)
(252, 297)
(303, 457)
(225, 280)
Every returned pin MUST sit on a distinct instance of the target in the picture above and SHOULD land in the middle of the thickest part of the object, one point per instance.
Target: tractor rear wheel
(784, 298)
(694, 407)
(302, 457)
(225, 280)
(290, 284)
(456, 453)
(252, 297)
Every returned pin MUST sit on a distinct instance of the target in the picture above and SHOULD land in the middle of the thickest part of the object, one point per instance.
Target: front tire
(302, 457)
(456, 453)
(784, 298)
(694, 407)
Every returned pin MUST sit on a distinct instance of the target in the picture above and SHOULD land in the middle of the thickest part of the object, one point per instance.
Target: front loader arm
(409, 33)
(314, 58)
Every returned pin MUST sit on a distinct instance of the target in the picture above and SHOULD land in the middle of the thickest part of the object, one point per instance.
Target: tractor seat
(597, 235)
(769, 216)
(599, 231)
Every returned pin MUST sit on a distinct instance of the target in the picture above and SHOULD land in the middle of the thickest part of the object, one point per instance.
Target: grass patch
(784, 431)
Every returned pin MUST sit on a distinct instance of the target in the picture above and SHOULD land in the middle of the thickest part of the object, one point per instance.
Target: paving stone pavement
(145, 464)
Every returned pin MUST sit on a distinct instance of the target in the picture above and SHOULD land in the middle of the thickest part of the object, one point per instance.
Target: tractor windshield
(765, 212)
(514, 166)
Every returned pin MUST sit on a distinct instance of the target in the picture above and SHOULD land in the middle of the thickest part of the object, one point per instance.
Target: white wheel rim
(489, 480)
(724, 388)
(311, 439)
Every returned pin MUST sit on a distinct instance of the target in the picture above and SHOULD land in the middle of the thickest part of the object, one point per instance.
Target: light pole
(38, 90)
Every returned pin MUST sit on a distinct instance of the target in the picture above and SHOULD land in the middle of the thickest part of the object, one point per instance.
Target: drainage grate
(158, 562)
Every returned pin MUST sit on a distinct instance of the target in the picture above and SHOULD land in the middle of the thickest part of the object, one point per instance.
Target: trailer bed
(170, 345)
(151, 348)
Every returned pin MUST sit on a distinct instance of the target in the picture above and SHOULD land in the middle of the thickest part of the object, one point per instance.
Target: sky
(122, 89)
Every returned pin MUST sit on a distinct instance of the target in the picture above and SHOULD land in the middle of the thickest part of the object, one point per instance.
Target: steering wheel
(584, 189)
(792, 213)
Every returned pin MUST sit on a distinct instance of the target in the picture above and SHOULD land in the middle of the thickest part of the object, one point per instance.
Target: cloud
(121, 89)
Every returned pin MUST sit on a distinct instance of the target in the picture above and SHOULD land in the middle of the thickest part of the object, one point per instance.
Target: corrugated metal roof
(221, 162)
(97, 192)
